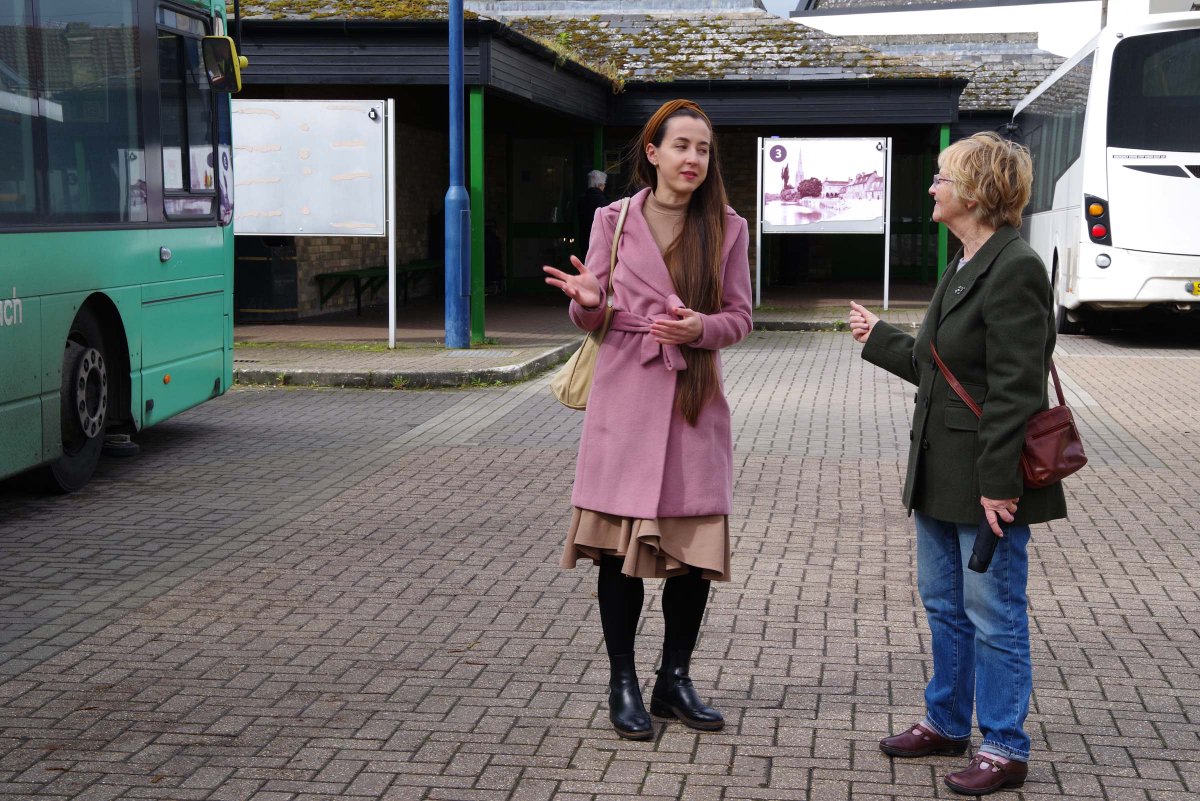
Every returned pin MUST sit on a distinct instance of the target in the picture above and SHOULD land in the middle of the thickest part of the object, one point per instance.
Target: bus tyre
(84, 405)
(1063, 324)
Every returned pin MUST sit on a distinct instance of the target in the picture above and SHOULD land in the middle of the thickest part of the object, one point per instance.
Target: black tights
(684, 599)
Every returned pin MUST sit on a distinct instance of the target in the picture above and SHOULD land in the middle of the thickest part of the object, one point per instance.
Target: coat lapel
(639, 253)
(939, 293)
(963, 282)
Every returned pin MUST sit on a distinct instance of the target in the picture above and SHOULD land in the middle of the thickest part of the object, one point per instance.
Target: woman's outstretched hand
(862, 322)
(584, 289)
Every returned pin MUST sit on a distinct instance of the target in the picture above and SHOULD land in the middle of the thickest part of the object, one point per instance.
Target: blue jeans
(980, 627)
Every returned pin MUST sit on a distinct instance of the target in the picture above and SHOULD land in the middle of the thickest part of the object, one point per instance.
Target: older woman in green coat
(991, 319)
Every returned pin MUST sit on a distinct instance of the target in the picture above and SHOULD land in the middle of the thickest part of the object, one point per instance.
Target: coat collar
(960, 284)
(650, 268)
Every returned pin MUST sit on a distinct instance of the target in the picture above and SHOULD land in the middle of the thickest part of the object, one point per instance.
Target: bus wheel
(1062, 323)
(84, 405)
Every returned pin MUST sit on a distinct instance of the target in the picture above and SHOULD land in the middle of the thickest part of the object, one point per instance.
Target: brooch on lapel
(959, 290)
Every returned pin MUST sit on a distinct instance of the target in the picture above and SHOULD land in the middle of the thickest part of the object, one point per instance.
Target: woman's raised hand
(584, 289)
(862, 322)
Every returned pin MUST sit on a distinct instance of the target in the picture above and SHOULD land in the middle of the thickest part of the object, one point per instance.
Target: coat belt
(652, 349)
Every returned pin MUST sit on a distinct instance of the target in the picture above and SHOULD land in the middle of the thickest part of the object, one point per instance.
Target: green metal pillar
(475, 126)
(943, 237)
(925, 203)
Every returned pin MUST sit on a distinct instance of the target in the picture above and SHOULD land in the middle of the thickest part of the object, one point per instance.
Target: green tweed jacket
(994, 328)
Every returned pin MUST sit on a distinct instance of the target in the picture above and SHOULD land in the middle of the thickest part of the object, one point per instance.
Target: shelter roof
(729, 45)
(345, 9)
(721, 44)
(1001, 67)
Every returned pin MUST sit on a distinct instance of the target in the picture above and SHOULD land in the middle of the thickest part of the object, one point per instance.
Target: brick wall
(739, 154)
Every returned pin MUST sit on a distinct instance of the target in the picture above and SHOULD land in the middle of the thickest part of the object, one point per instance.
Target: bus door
(187, 289)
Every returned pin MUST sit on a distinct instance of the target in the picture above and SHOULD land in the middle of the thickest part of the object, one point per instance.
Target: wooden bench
(369, 280)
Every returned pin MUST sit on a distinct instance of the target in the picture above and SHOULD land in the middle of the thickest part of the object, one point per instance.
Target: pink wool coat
(638, 457)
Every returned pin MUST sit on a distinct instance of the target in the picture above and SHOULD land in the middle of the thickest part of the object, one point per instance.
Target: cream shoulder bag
(573, 382)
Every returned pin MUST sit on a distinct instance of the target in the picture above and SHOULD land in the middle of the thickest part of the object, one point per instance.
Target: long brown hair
(694, 258)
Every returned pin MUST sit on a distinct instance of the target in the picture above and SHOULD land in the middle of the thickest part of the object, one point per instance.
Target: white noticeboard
(310, 167)
(824, 186)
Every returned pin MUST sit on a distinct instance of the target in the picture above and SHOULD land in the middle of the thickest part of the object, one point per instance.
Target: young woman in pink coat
(654, 479)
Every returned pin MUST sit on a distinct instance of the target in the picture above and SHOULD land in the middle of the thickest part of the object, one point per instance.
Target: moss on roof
(345, 9)
(1001, 68)
(732, 45)
(729, 45)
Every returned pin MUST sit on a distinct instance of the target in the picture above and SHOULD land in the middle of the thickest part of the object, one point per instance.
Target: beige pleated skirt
(661, 548)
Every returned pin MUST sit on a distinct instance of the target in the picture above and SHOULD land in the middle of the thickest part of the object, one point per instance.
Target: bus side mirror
(223, 64)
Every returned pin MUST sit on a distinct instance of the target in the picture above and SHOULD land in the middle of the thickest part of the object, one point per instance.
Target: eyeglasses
(938, 178)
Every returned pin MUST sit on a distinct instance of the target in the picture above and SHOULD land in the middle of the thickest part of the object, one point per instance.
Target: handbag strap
(612, 267)
(967, 399)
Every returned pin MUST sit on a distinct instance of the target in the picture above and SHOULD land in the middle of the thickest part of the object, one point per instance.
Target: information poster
(812, 186)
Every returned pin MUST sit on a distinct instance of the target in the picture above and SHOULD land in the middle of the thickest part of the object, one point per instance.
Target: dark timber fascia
(853, 101)
(416, 52)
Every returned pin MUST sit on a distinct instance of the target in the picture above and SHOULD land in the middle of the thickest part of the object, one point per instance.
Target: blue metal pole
(458, 202)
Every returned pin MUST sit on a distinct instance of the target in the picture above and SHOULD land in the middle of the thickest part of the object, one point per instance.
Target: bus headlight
(1103, 260)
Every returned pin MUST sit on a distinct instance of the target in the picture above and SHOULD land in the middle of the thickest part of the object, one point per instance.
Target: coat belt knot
(651, 349)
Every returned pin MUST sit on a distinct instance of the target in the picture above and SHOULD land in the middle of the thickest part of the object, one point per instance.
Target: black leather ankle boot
(675, 697)
(625, 707)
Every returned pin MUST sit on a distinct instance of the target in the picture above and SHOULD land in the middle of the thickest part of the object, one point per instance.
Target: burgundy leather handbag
(1053, 448)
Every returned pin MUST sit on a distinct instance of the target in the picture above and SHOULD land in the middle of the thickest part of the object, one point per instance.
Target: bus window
(18, 107)
(1154, 97)
(70, 113)
(189, 165)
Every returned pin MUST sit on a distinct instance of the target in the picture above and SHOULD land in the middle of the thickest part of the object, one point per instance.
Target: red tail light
(1099, 226)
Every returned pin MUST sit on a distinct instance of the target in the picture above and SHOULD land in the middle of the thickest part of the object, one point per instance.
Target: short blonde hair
(994, 173)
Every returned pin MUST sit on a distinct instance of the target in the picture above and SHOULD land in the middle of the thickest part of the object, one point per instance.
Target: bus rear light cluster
(1097, 220)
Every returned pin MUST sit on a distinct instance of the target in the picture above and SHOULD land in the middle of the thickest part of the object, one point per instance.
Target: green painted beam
(943, 236)
(926, 210)
(475, 126)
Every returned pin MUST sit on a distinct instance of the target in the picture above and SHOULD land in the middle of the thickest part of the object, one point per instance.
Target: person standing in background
(593, 200)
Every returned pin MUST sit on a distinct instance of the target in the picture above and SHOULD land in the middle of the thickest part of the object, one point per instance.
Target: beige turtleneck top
(665, 221)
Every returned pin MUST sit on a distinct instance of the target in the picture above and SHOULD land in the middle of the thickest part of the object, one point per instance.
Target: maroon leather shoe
(986, 775)
(919, 741)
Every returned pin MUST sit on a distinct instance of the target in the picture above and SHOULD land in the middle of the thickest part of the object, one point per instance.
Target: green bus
(116, 244)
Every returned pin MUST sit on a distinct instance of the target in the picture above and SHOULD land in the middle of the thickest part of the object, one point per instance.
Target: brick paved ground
(298, 594)
(525, 335)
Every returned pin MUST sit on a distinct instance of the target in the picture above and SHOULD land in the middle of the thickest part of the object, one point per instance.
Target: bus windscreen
(1154, 93)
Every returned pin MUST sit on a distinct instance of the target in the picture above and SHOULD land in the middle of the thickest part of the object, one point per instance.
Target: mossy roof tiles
(344, 9)
(653, 47)
(724, 46)
(1001, 68)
